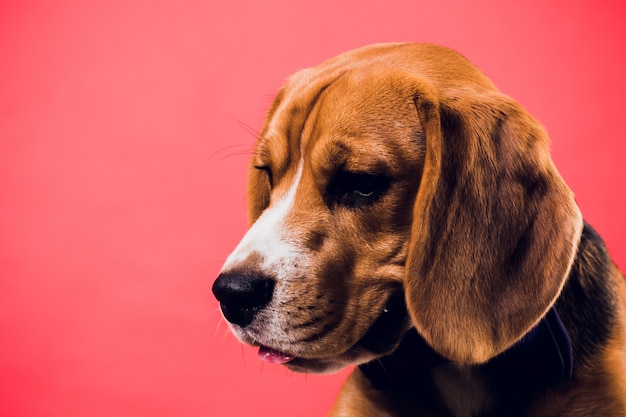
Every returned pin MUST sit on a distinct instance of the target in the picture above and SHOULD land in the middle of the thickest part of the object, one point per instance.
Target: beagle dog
(407, 220)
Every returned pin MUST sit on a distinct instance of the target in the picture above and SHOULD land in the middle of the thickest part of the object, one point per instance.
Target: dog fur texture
(395, 191)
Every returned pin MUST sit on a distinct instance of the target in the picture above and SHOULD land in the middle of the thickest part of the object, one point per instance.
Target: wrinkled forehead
(358, 111)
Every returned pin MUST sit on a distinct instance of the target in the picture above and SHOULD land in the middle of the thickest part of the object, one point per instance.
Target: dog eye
(357, 189)
(268, 172)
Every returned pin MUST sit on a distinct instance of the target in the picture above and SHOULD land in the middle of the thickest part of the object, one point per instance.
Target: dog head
(394, 187)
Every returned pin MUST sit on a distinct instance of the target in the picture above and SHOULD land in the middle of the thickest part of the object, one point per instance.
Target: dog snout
(242, 296)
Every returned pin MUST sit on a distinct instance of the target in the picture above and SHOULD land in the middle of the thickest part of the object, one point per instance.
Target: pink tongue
(273, 356)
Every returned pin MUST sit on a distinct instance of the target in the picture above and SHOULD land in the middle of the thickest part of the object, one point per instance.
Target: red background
(125, 133)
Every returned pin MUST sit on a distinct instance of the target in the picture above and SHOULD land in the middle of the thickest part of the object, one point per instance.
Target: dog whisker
(246, 127)
(247, 152)
(237, 149)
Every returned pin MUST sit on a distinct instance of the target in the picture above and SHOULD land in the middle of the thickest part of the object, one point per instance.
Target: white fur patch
(269, 238)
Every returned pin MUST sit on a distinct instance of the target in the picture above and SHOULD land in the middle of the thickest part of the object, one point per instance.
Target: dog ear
(495, 227)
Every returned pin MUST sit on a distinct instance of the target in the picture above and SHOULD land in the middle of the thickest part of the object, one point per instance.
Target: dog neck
(543, 354)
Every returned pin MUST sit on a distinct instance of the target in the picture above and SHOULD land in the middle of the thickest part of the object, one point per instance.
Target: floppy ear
(495, 227)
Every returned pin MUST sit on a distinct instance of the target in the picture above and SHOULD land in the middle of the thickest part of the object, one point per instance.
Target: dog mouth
(270, 355)
(381, 338)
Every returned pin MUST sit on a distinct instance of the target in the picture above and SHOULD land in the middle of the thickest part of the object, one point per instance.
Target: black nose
(241, 297)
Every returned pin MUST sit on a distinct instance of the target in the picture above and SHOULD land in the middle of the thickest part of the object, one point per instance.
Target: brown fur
(473, 224)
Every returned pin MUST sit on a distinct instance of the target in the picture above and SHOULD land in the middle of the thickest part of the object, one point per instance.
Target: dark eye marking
(357, 189)
(268, 172)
